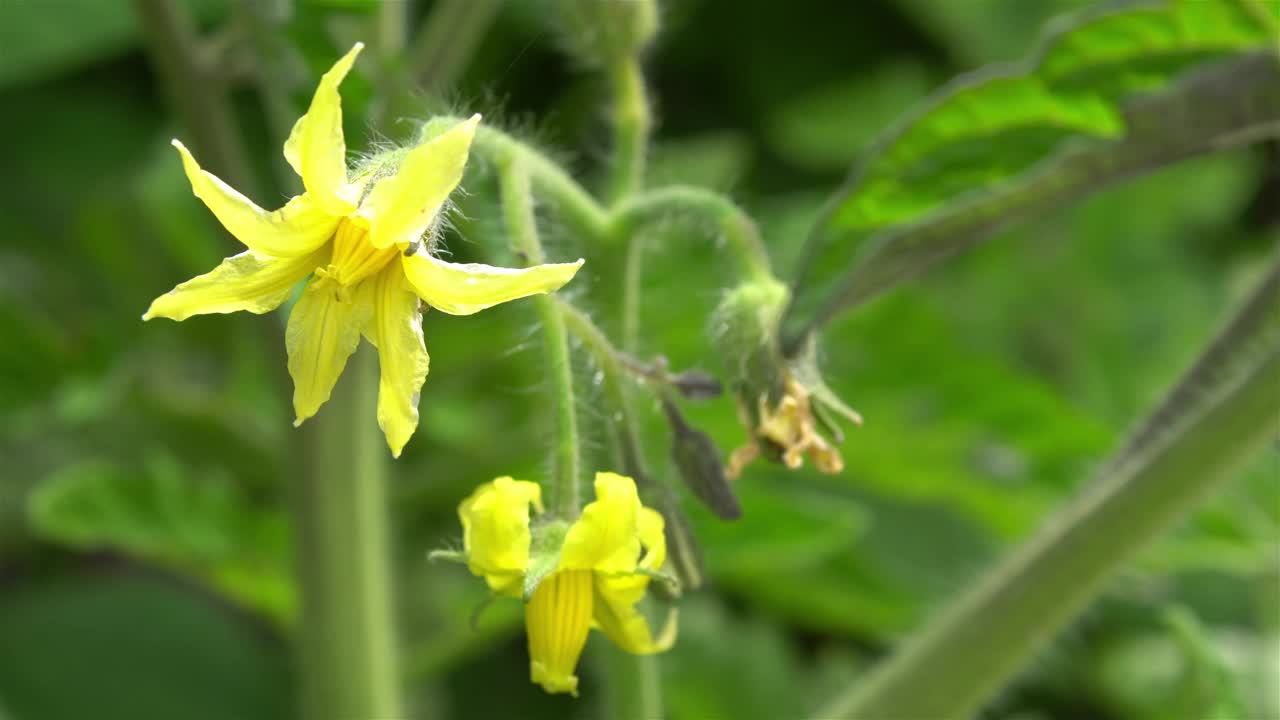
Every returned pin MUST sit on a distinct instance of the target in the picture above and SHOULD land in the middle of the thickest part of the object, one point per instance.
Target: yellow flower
(357, 238)
(593, 572)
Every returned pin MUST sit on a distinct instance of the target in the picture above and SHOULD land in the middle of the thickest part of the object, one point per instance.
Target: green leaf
(1010, 140)
(1230, 104)
(199, 527)
(988, 127)
(998, 122)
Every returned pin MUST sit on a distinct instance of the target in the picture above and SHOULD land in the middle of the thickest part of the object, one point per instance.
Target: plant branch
(739, 231)
(1220, 416)
(521, 222)
(575, 205)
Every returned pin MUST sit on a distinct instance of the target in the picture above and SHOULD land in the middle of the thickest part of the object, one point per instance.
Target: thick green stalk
(742, 238)
(632, 685)
(522, 226)
(346, 640)
(964, 656)
(632, 121)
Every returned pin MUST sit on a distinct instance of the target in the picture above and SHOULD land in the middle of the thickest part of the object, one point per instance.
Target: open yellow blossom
(357, 238)
(592, 574)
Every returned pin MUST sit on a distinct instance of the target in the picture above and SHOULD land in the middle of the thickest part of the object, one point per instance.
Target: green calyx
(544, 553)
(745, 330)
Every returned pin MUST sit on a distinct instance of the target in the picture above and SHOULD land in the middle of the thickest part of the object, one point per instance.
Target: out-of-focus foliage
(150, 579)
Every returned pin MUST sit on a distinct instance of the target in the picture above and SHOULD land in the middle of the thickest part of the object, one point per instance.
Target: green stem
(521, 222)
(197, 88)
(632, 122)
(448, 39)
(738, 229)
(574, 204)
(964, 656)
(632, 687)
(346, 639)
(632, 276)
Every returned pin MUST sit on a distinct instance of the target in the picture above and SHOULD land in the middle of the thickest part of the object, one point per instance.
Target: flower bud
(597, 32)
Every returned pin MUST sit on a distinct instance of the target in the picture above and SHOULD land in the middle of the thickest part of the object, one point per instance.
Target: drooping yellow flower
(357, 238)
(593, 572)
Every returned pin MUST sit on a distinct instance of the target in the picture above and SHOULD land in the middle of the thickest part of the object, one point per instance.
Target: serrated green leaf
(199, 527)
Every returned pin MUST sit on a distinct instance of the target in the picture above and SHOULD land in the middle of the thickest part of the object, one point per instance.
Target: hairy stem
(969, 651)
(632, 122)
(346, 640)
(521, 222)
(579, 210)
(739, 231)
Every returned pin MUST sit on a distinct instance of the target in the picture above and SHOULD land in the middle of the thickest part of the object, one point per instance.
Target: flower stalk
(521, 223)
(632, 122)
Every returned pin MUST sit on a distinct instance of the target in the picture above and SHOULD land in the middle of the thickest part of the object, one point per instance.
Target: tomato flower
(357, 236)
(572, 576)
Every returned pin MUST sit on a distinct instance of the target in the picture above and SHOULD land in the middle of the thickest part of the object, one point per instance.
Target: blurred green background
(144, 543)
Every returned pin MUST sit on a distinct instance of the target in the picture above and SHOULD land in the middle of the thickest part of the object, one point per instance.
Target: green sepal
(544, 554)
(453, 556)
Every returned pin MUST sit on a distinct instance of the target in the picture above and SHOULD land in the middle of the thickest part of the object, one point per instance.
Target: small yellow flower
(357, 239)
(595, 572)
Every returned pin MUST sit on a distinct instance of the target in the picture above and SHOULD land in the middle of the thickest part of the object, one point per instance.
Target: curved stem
(963, 657)
(737, 228)
(346, 640)
(517, 209)
(576, 206)
(631, 124)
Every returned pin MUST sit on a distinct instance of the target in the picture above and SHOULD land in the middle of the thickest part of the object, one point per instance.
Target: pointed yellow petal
(295, 229)
(316, 148)
(324, 329)
(606, 536)
(400, 208)
(396, 330)
(495, 532)
(616, 615)
(247, 281)
(467, 289)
